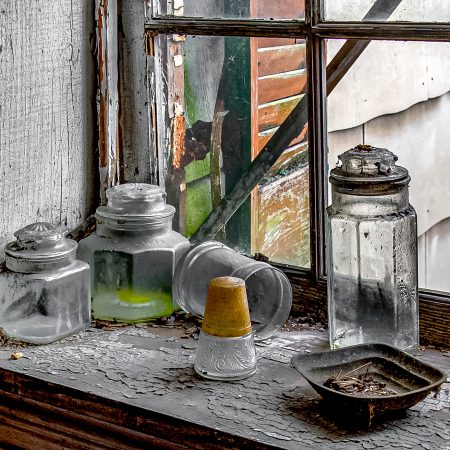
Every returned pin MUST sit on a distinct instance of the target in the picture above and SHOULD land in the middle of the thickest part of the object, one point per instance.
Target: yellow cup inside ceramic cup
(226, 310)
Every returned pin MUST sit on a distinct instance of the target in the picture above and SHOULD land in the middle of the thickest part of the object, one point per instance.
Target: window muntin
(318, 30)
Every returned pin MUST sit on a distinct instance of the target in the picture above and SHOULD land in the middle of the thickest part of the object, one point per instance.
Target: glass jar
(268, 289)
(133, 254)
(371, 252)
(44, 289)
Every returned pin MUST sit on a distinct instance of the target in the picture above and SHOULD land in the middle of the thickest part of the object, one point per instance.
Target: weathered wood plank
(283, 219)
(110, 139)
(274, 113)
(134, 92)
(136, 386)
(286, 9)
(281, 85)
(267, 42)
(288, 155)
(265, 136)
(434, 322)
(281, 59)
(47, 118)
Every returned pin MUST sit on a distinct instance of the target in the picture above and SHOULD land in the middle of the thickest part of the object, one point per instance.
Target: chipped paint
(178, 139)
(217, 185)
(178, 60)
(108, 95)
(152, 368)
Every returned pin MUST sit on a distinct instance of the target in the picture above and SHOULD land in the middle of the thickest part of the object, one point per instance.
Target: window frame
(309, 285)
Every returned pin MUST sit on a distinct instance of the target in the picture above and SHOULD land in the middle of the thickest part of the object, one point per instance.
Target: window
(238, 102)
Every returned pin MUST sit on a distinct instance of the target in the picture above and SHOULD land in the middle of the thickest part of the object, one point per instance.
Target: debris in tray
(361, 384)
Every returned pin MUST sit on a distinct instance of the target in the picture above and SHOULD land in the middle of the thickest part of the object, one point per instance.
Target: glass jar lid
(367, 166)
(39, 246)
(134, 205)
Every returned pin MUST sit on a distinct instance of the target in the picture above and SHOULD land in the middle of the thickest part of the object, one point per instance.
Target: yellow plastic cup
(226, 310)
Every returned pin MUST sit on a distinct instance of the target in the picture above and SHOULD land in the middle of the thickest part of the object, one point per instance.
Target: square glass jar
(44, 289)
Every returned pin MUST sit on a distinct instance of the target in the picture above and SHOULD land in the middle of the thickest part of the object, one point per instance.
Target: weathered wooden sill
(134, 387)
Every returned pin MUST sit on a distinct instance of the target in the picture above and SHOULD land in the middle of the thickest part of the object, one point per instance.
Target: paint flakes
(178, 60)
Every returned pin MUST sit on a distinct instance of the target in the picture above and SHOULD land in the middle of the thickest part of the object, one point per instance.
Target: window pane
(406, 11)
(244, 9)
(404, 106)
(226, 98)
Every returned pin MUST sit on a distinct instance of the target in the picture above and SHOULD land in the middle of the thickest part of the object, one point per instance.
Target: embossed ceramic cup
(226, 350)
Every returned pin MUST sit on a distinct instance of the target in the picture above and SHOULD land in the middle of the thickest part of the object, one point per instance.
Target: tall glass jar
(44, 289)
(133, 254)
(371, 252)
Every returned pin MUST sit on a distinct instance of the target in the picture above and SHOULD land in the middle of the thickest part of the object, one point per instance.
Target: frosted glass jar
(269, 292)
(44, 289)
(372, 252)
(133, 254)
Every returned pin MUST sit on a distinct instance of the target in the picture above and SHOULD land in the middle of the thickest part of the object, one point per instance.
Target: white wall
(420, 137)
(387, 78)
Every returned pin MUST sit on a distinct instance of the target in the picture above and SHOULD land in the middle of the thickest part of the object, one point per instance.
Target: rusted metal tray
(409, 378)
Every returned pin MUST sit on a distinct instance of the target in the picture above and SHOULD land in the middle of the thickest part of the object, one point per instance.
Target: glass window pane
(243, 9)
(226, 98)
(404, 106)
(406, 11)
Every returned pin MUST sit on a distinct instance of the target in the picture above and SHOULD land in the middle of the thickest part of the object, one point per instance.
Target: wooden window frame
(309, 286)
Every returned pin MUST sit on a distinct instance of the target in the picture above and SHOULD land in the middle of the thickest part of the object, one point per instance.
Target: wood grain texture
(265, 136)
(134, 91)
(274, 113)
(283, 219)
(110, 140)
(281, 59)
(281, 85)
(265, 42)
(287, 9)
(47, 113)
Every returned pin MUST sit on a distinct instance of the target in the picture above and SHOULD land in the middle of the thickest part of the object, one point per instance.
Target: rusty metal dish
(410, 378)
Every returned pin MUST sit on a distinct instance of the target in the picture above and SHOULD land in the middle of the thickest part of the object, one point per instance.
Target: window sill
(135, 386)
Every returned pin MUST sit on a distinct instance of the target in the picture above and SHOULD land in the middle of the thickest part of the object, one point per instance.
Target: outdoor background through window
(407, 10)
(233, 9)
(227, 96)
(397, 96)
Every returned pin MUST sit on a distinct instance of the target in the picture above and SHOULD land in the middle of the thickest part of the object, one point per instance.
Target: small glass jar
(44, 289)
(372, 252)
(133, 254)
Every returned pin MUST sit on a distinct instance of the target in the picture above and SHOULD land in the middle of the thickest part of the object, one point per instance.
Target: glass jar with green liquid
(133, 254)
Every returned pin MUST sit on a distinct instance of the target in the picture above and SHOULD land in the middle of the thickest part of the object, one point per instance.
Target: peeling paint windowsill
(134, 386)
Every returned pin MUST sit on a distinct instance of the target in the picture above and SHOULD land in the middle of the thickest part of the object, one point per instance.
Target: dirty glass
(233, 9)
(226, 98)
(404, 106)
(403, 10)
